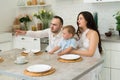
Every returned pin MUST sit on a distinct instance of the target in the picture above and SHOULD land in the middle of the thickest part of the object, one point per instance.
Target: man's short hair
(58, 17)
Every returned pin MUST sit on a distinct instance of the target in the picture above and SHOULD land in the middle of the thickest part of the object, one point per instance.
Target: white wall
(7, 13)
(106, 12)
(68, 9)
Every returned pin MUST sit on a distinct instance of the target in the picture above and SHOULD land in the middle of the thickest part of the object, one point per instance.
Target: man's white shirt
(53, 40)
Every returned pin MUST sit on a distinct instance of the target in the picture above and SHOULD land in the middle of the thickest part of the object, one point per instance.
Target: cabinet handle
(23, 38)
(35, 39)
(0, 50)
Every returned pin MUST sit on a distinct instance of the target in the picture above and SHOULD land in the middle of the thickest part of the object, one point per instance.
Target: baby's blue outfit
(63, 44)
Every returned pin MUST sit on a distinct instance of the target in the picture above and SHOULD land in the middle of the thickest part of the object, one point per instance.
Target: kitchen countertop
(113, 38)
(64, 71)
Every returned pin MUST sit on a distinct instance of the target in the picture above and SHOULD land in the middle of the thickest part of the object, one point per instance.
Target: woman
(89, 41)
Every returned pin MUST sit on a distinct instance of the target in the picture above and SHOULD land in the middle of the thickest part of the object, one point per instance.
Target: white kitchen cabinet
(23, 42)
(115, 74)
(115, 46)
(107, 54)
(115, 59)
(112, 60)
(5, 46)
(105, 74)
(99, 1)
(5, 41)
(107, 62)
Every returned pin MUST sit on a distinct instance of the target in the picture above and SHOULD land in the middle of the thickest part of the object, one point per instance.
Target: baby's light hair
(70, 29)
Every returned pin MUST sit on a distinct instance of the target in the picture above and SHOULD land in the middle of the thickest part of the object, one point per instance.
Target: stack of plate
(36, 51)
(31, 52)
(25, 52)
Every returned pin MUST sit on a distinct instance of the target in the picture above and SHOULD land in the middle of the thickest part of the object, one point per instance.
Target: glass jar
(39, 26)
(42, 2)
(34, 2)
(29, 2)
(34, 28)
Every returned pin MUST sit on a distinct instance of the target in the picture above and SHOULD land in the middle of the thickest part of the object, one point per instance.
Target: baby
(67, 43)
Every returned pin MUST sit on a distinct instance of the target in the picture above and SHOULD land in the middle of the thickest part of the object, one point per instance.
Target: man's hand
(20, 32)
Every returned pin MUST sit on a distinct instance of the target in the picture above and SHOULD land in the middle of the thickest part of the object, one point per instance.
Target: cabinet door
(107, 53)
(105, 74)
(115, 74)
(5, 46)
(22, 42)
(115, 59)
(36, 43)
(107, 58)
(115, 46)
(33, 43)
(5, 37)
(106, 45)
(19, 42)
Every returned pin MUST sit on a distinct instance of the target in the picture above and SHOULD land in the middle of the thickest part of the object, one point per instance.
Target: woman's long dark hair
(91, 25)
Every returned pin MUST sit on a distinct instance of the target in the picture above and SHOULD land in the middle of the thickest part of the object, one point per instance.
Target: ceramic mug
(21, 59)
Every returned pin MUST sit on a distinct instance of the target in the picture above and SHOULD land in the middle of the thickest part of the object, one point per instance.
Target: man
(53, 33)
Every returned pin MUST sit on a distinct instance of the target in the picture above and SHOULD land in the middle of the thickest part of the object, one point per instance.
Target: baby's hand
(60, 54)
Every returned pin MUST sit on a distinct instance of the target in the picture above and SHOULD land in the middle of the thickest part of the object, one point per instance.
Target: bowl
(108, 34)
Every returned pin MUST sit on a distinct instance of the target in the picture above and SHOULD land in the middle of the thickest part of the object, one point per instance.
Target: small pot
(119, 33)
(108, 34)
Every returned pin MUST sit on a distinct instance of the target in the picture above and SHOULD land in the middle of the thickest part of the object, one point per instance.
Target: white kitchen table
(64, 71)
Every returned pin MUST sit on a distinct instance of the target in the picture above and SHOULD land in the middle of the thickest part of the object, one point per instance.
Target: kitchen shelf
(100, 1)
(34, 6)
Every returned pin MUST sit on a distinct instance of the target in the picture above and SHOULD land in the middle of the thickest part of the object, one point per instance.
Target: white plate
(70, 56)
(39, 68)
(26, 51)
(35, 50)
(26, 61)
